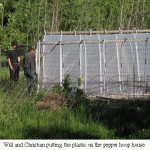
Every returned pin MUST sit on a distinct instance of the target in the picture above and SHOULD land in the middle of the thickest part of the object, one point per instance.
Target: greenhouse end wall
(109, 64)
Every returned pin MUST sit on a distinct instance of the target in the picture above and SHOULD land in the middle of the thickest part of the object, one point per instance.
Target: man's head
(32, 50)
(14, 44)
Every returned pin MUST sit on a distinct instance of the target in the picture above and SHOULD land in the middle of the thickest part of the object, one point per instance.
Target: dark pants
(14, 75)
(30, 80)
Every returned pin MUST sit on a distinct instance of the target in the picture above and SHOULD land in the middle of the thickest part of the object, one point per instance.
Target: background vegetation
(26, 20)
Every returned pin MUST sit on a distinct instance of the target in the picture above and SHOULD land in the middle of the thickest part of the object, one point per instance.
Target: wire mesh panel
(112, 70)
(109, 64)
(93, 67)
(71, 62)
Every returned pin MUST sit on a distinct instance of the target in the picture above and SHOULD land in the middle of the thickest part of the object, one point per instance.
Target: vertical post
(61, 70)
(120, 31)
(121, 64)
(138, 65)
(60, 64)
(34, 42)
(90, 32)
(133, 66)
(100, 66)
(105, 32)
(36, 55)
(118, 60)
(75, 32)
(37, 59)
(39, 65)
(80, 60)
(85, 68)
(43, 63)
(63, 64)
(145, 63)
(135, 31)
(104, 55)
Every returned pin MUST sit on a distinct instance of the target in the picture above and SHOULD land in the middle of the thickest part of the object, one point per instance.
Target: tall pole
(80, 60)
(38, 66)
(138, 65)
(118, 60)
(121, 65)
(43, 63)
(61, 69)
(100, 66)
(133, 66)
(85, 67)
(104, 55)
(145, 63)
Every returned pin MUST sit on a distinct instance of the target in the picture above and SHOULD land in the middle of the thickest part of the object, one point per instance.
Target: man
(29, 68)
(13, 57)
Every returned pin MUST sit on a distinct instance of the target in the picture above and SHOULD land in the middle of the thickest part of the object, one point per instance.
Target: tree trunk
(136, 16)
(3, 13)
(143, 14)
(57, 15)
(98, 27)
(45, 14)
(121, 3)
(110, 15)
(39, 20)
(53, 19)
(28, 28)
(129, 21)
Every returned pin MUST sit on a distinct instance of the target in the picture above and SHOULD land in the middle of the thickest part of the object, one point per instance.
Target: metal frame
(103, 83)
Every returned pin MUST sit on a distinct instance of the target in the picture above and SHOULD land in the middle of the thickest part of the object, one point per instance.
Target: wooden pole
(98, 32)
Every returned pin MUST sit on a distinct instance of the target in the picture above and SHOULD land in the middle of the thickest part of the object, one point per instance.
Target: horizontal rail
(90, 42)
(50, 50)
(97, 32)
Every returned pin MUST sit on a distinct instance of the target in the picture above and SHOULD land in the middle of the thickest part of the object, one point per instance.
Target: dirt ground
(52, 101)
(56, 101)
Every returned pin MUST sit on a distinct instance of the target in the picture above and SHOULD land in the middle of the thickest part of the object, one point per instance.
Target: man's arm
(18, 59)
(19, 62)
(9, 62)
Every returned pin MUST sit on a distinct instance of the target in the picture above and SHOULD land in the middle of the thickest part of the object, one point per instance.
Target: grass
(20, 119)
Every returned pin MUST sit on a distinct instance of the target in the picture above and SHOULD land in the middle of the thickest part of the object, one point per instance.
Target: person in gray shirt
(29, 63)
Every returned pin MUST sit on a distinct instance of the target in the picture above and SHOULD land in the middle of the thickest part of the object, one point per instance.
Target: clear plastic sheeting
(107, 67)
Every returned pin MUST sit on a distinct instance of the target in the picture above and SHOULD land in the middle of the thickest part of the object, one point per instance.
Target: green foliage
(80, 81)
(41, 93)
(67, 89)
(21, 17)
(67, 83)
(79, 92)
(57, 88)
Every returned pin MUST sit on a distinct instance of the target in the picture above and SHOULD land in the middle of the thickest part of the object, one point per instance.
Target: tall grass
(20, 119)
